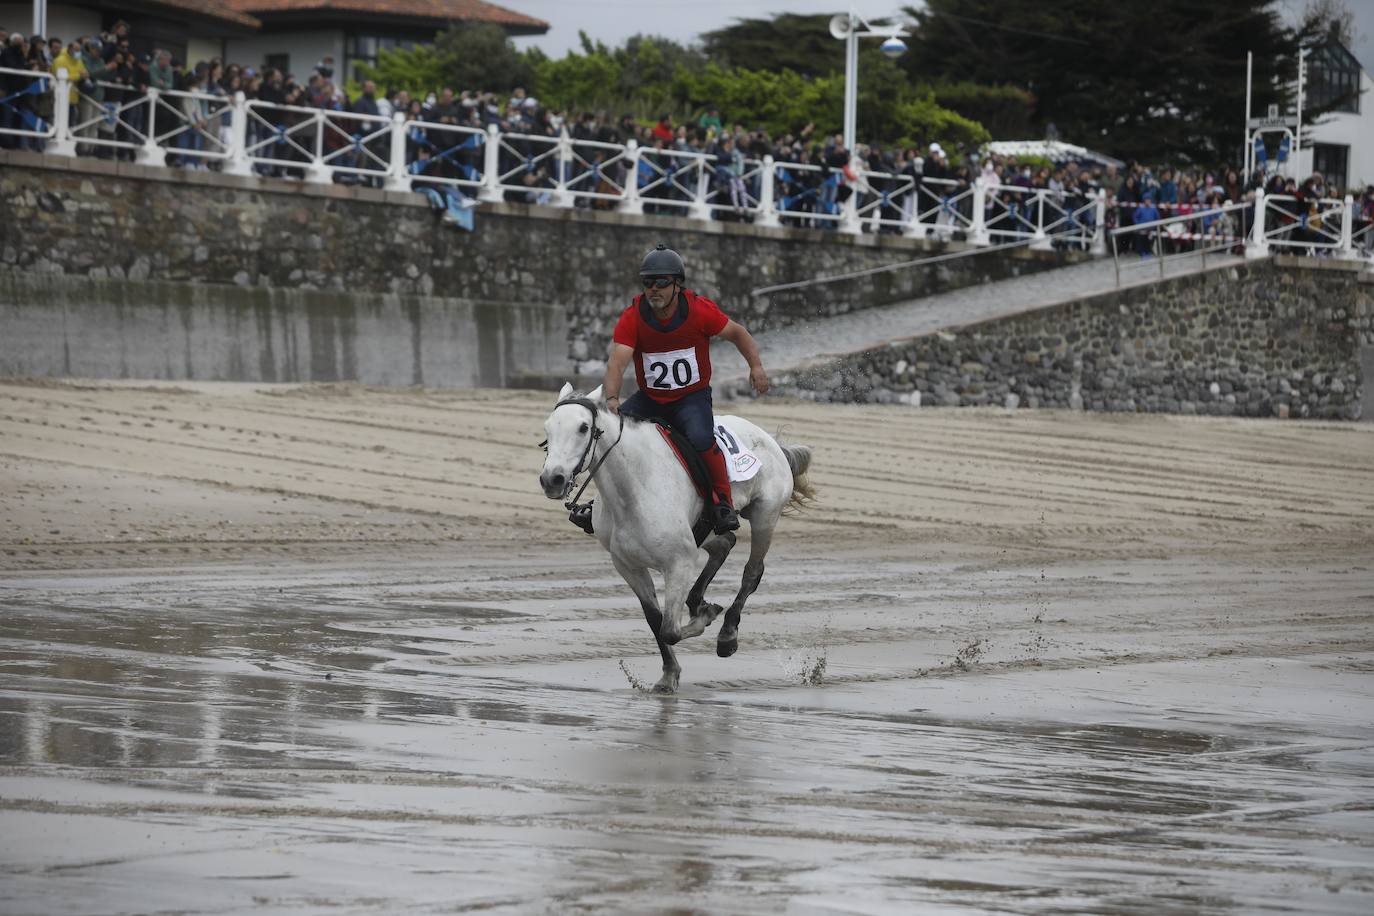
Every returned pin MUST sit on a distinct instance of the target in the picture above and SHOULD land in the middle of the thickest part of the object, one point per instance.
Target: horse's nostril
(557, 480)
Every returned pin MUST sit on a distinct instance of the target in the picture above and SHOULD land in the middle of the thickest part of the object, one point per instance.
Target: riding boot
(723, 517)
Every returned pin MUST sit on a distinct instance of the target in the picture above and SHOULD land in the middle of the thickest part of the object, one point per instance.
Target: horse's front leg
(677, 581)
(642, 584)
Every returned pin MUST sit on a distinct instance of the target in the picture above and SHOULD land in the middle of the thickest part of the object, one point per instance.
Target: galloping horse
(647, 504)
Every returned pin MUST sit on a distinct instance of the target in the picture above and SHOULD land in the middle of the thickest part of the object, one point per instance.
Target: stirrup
(724, 519)
(582, 517)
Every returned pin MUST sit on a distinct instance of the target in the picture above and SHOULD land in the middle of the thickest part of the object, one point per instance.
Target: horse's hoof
(666, 685)
(727, 647)
(710, 611)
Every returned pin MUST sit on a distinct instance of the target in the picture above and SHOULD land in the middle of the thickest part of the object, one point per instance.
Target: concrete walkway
(818, 341)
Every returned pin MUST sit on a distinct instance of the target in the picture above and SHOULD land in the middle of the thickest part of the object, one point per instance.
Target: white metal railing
(1210, 230)
(1291, 222)
(254, 137)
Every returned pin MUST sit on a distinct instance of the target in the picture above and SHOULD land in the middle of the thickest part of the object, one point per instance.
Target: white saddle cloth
(742, 463)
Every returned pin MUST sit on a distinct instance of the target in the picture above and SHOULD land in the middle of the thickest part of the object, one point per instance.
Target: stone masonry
(105, 220)
(1284, 337)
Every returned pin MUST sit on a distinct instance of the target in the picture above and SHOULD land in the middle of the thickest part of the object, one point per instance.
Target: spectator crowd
(813, 180)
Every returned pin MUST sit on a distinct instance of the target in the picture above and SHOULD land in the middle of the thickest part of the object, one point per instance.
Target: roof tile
(462, 10)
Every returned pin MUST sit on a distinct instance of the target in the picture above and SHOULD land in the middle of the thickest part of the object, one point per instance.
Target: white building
(1340, 145)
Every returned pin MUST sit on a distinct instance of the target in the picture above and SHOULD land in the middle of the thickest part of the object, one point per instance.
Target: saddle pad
(742, 463)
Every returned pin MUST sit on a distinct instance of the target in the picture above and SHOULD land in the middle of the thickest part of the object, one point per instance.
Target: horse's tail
(803, 493)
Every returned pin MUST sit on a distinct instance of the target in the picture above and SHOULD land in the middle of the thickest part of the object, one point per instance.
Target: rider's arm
(615, 371)
(749, 349)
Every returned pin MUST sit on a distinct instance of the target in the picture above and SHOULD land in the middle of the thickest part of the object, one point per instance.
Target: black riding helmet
(663, 262)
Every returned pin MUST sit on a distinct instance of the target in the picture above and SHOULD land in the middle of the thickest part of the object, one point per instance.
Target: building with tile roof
(297, 34)
(294, 35)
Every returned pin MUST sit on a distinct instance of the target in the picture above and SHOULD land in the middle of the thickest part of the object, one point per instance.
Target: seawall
(1284, 337)
(175, 272)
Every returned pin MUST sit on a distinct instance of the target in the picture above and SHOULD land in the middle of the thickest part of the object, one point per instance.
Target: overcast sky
(612, 21)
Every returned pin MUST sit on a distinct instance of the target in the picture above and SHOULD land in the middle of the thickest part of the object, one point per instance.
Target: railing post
(150, 153)
(398, 170)
(630, 202)
(317, 172)
(849, 216)
(1259, 244)
(61, 143)
(768, 207)
(1346, 248)
(1099, 245)
(699, 208)
(978, 231)
(914, 228)
(1040, 241)
(562, 197)
(491, 167)
(236, 163)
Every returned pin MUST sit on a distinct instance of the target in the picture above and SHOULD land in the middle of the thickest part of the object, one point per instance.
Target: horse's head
(568, 442)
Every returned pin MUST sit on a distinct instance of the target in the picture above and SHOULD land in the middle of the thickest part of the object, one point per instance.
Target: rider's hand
(759, 379)
(613, 404)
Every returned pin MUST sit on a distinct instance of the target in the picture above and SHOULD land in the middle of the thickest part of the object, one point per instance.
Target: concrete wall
(55, 324)
(115, 221)
(1289, 337)
(306, 48)
(65, 22)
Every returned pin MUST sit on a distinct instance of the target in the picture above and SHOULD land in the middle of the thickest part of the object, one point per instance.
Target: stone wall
(101, 220)
(1289, 337)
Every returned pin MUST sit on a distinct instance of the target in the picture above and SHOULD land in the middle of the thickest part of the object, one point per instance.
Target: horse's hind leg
(642, 584)
(760, 537)
(717, 549)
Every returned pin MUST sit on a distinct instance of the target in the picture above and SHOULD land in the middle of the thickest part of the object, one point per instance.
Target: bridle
(596, 434)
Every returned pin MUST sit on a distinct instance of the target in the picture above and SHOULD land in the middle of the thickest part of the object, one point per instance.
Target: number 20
(683, 377)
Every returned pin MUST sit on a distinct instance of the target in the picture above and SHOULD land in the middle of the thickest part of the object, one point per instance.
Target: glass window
(361, 48)
(1333, 161)
(1333, 76)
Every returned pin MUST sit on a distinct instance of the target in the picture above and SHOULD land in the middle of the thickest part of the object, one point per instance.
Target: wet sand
(329, 649)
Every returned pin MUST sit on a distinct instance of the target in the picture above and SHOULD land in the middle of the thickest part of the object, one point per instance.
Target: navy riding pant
(690, 415)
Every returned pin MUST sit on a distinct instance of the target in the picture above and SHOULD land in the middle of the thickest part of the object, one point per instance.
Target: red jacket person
(666, 332)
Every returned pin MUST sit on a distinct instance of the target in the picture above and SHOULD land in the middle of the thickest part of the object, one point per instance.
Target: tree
(802, 44)
(466, 56)
(1139, 80)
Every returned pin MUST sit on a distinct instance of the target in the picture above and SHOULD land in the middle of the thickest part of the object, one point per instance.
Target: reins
(597, 432)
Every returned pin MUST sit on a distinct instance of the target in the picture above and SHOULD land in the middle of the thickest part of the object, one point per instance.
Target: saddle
(691, 462)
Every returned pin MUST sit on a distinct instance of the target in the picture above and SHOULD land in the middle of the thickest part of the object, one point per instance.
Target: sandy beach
(329, 648)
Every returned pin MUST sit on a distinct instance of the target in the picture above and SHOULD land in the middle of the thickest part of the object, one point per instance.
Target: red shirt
(673, 359)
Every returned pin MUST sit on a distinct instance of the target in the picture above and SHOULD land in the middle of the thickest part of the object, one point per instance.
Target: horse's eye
(583, 429)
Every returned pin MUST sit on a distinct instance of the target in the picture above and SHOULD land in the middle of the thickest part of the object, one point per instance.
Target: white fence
(242, 137)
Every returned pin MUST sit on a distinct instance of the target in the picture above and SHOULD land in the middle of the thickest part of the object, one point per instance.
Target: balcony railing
(243, 137)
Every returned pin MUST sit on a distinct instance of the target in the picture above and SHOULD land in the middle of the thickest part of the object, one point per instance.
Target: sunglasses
(656, 282)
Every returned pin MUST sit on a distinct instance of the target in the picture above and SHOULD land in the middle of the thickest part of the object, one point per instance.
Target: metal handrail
(1157, 226)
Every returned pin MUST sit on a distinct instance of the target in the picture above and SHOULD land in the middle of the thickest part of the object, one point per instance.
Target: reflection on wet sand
(508, 766)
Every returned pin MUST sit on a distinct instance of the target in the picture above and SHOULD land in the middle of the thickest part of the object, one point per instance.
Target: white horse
(646, 506)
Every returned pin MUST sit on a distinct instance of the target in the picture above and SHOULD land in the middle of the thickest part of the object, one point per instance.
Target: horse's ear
(566, 391)
(595, 396)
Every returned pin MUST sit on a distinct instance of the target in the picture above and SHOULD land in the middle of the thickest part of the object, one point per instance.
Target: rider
(667, 332)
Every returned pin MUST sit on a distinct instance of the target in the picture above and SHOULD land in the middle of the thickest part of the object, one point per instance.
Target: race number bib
(674, 369)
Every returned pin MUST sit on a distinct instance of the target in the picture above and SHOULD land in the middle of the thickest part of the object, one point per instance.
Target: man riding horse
(667, 332)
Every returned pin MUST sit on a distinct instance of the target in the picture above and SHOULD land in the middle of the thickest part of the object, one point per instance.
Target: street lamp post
(849, 28)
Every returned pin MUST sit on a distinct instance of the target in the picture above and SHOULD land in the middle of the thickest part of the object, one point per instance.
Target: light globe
(893, 47)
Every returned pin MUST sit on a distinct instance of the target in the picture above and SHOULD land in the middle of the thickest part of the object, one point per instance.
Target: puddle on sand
(190, 726)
